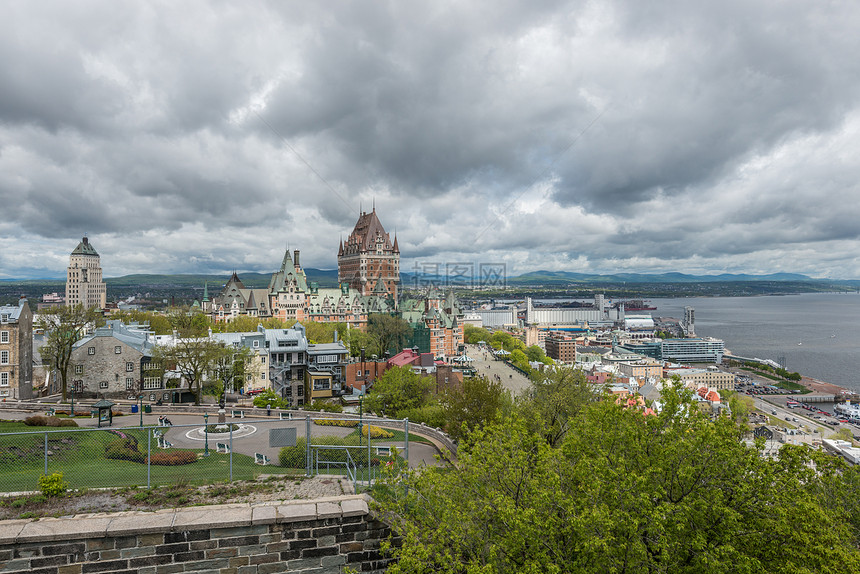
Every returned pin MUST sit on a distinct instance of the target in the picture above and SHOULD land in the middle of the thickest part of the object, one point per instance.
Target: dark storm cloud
(594, 136)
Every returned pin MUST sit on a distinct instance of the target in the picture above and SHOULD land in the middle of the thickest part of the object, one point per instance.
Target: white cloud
(586, 136)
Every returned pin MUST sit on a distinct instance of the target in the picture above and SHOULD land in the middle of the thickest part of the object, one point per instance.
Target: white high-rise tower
(84, 283)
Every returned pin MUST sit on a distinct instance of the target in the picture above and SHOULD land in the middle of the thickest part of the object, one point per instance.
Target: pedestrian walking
(269, 410)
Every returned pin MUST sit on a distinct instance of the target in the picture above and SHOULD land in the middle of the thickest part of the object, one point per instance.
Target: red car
(253, 392)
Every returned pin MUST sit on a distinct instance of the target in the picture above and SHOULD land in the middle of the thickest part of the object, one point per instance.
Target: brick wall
(327, 535)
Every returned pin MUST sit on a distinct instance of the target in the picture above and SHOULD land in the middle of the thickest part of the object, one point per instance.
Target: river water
(817, 334)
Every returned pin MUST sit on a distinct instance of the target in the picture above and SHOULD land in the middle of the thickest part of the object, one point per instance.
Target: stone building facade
(16, 351)
(84, 284)
(114, 362)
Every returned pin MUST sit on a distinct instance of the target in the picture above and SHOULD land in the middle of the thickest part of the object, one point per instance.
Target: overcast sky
(597, 137)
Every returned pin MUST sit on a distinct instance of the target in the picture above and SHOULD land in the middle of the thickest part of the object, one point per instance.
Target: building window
(151, 383)
(262, 375)
(117, 349)
(256, 344)
(79, 369)
(78, 386)
(4, 357)
(4, 336)
(103, 385)
(129, 383)
(91, 350)
(129, 367)
(4, 379)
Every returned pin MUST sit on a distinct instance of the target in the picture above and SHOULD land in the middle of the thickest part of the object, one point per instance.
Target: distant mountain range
(328, 278)
(325, 277)
(566, 276)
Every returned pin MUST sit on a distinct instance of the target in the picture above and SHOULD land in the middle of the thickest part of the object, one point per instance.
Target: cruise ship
(849, 410)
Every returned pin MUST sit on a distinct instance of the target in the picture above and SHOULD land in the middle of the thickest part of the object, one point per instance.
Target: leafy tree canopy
(391, 332)
(65, 326)
(397, 391)
(623, 492)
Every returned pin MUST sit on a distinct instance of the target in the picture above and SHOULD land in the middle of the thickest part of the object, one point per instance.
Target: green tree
(621, 492)
(505, 340)
(476, 403)
(240, 324)
(554, 399)
(398, 390)
(64, 326)
(474, 335)
(357, 340)
(194, 358)
(188, 322)
(535, 354)
(391, 332)
(231, 366)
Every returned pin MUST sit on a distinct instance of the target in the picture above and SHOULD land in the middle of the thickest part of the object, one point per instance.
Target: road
(776, 403)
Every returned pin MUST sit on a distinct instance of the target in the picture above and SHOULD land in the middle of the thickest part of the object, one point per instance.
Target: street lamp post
(206, 433)
(140, 399)
(72, 412)
(360, 400)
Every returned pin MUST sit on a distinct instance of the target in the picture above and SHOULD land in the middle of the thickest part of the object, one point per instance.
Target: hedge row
(43, 421)
(126, 448)
(375, 432)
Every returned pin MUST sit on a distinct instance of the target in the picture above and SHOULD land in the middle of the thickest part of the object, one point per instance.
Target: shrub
(376, 432)
(53, 484)
(293, 456)
(430, 415)
(43, 421)
(336, 423)
(326, 406)
(269, 397)
(173, 458)
(125, 449)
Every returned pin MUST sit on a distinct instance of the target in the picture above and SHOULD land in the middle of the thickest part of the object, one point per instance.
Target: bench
(157, 434)
(51, 412)
(383, 451)
(285, 416)
(222, 447)
(260, 458)
(234, 414)
(164, 443)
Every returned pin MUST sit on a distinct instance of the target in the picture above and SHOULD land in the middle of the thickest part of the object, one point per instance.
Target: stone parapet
(321, 536)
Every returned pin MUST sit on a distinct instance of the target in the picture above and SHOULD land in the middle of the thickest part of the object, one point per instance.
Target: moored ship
(635, 305)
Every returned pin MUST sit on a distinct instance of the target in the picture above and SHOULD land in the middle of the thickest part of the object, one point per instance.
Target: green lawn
(80, 457)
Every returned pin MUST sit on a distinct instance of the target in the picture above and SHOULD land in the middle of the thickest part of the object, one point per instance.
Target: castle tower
(84, 283)
(369, 260)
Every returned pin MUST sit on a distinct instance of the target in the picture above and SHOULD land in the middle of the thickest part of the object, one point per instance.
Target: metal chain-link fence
(237, 449)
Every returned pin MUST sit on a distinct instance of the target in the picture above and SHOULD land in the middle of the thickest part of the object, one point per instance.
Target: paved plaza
(488, 366)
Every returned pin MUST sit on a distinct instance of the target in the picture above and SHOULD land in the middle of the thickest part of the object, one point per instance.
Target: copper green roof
(85, 248)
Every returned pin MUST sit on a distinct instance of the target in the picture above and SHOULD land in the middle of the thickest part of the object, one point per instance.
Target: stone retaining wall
(321, 536)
